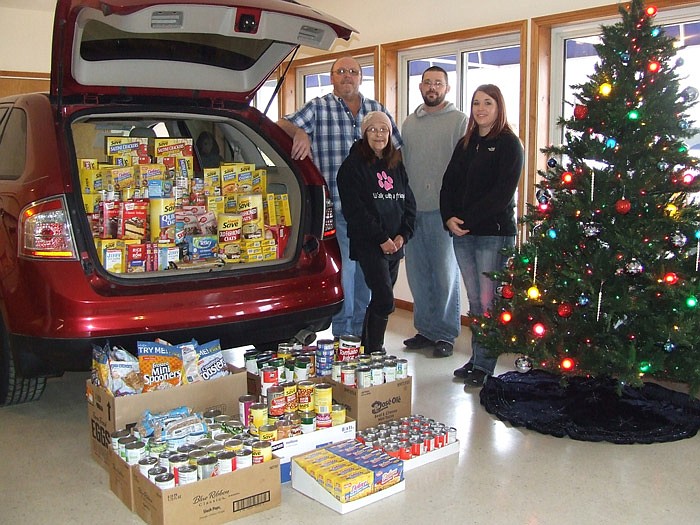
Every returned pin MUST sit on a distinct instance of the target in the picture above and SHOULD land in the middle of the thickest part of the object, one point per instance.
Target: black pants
(380, 275)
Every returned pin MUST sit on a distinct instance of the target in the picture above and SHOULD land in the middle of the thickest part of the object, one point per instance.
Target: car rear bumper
(51, 357)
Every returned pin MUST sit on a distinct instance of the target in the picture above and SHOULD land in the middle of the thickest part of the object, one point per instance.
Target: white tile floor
(502, 475)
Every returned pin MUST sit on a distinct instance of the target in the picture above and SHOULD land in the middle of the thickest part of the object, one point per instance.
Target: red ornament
(505, 317)
(580, 111)
(653, 66)
(651, 11)
(623, 206)
(507, 291)
(671, 278)
(564, 310)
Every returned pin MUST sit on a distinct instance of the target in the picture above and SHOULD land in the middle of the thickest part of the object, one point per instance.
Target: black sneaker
(418, 341)
(442, 349)
(476, 378)
(464, 371)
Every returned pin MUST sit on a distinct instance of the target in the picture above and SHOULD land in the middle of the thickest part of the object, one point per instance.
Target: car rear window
(104, 42)
(13, 145)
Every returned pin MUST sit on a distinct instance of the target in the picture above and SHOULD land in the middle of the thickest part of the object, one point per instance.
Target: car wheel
(15, 389)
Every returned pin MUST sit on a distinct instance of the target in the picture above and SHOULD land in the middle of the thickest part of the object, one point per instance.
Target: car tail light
(328, 215)
(46, 232)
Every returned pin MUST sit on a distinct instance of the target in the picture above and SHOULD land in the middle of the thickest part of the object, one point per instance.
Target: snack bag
(190, 362)
(152, 424)
(211, 360)
(161, 365)
(124, 371)
(100, 366)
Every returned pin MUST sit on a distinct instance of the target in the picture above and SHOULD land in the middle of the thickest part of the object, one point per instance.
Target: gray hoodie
(429, 140)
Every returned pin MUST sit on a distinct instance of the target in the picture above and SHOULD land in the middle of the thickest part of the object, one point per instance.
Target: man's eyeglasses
(430, 83)
(342, 71)
(374, 130)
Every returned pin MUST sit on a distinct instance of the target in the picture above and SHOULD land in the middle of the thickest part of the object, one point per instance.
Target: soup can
(337, 415)
(164, 481)
(323, 398)
(348, 347)
(206, 466)
(244, 458)
(401, 368)
(291, 401)
(258, 417)
(302, 366)
(226, 462)
(305, 396)
(267, 433)
(276, 401)
(147, 463)
(187, 475)
(244, 403)
(262, 452)
(363, 377)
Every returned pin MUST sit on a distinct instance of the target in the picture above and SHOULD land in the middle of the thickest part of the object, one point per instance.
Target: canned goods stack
(368, 371)
(408, 437)
(224, 447)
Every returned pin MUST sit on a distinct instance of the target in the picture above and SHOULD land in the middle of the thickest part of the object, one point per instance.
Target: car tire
(15, 389)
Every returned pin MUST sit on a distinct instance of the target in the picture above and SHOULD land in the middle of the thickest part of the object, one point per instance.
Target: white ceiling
(34, 5)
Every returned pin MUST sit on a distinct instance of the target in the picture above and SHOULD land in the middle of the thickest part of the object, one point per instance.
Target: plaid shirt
(333, 129)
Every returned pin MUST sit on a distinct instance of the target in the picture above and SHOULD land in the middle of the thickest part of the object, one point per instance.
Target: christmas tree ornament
(580, 111)
(533, 293)
(610, 143)
(567, 177)
(605, 89)
(552, 233)
(591, 229)
(583, 300)
(523, 364)
(644, 367)
(653, 66)
(650, 11)
(680, 62)
(552, 163)
(564, 310)
(678, 239)
(669, 346)
(507, 291)
(662, 166)
(655, 32)
(544, 195)
(683, 124)
(623, 206)
(690, 93)
(633, 115)
(634, 267)
(691, 302)
(625, 58)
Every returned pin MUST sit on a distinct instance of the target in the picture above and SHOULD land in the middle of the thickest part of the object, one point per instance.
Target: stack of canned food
(340, 359)
(408, 437)
(225, 446)
(290, 409)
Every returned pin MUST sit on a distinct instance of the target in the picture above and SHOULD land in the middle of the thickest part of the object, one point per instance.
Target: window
(470, 63)
(574, 59)
(13, 145)
(315, 80)
(265, 96)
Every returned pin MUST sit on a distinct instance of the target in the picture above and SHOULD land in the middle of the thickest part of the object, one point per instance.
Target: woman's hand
(454, 224)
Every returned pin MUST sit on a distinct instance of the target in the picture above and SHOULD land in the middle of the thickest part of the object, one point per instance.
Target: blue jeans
(350, 319)
(476, 255)
(431, 270)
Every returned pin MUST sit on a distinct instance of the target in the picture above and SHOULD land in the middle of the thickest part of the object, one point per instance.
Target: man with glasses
(324, 129)
(430, 135)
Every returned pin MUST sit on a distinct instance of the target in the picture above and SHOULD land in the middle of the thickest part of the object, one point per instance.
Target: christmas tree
(607, 283)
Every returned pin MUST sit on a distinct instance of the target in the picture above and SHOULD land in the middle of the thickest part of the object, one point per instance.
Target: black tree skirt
(590, 409)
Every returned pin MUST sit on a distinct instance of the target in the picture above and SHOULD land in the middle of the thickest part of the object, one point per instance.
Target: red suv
(144, 197)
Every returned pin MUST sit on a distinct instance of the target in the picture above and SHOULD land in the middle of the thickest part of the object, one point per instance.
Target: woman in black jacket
(477, 204)
(380, 210)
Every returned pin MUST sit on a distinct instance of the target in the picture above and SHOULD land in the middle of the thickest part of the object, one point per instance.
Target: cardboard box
(307, 485)
(107, 413)
(376, 404)
(121, 476)
(433, 455)
(287, 448)
(212, 501)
